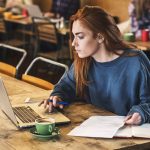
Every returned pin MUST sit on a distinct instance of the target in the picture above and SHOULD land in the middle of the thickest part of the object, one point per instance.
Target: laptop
(34, 11)
(24, 115)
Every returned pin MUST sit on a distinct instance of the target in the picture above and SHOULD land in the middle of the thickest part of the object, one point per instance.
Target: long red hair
(98, 21)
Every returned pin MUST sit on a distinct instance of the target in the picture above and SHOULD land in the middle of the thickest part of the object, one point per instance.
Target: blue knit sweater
(121, 86)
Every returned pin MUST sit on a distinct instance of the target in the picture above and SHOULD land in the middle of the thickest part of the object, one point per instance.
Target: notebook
(19, 114)
(34, 11)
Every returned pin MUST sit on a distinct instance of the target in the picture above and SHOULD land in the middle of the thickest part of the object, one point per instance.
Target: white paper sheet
(134, 131)
(125, 131)
(141, 131)
(99, 126)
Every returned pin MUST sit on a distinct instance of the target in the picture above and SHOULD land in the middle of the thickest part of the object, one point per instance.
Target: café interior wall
(114, 7)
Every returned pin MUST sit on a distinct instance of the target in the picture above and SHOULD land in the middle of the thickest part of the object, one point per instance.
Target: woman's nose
(74, 42)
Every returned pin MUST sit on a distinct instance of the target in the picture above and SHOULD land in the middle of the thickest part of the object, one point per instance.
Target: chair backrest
(45, 30)
(2, 25)
(47, 36)
(44, 73)
(11, 69)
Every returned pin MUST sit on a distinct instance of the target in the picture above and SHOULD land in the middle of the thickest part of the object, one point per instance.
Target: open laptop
(19, 114)
(34, 11)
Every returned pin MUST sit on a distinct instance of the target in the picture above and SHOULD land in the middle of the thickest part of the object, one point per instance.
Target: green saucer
(55, 133)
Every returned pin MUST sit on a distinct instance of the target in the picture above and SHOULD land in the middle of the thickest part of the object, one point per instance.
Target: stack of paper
(134, 131)
(109, 127)
(99, 126)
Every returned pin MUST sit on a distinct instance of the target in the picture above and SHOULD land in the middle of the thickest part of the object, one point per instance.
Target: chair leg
(36, 47)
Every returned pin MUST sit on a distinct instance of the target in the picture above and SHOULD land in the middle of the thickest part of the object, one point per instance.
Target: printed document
(109, 127)
(134, 131)
(99, 126)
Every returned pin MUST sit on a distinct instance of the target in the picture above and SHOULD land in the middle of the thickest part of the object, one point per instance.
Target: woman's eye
(72, 36)
(80, 37)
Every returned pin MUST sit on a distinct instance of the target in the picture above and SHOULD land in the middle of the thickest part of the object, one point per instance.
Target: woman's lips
(77, 50)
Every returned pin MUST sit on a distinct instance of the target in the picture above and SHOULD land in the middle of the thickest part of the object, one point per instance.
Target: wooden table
(13, 139)
(28, 21)
(145, 46)
(23, 21)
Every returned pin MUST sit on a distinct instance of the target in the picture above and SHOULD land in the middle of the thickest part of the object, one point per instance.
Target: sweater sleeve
(144, 91)
(65, 89)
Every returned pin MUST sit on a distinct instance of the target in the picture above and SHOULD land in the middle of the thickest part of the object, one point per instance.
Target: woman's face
(84, 42)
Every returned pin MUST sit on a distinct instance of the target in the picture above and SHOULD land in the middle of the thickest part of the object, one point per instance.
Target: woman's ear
(100, 38)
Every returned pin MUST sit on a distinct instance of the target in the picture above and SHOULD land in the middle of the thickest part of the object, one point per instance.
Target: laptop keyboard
(26, 114)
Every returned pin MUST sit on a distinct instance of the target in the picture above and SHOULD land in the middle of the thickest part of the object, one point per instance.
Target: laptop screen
(34, 11)
(5, 104)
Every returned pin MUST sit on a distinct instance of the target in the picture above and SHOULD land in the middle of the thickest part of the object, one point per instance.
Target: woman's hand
(51, 102)
(134, 119)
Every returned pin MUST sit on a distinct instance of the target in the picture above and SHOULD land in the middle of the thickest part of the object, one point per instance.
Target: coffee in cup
(45, 126)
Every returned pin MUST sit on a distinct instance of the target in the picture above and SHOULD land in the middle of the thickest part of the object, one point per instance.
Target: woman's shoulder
(140, 54)
(135, 52)
(140, 57)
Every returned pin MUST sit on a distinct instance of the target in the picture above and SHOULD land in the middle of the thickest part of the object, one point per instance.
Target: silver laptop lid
(34, 11)
(5, 104)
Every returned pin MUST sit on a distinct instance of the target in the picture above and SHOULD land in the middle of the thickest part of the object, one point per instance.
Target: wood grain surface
(13, 139)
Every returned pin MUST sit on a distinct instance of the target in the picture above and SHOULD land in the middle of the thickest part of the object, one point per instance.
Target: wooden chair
(10, 37)
(7, 68)
(2, 26)
(44, 73)
(48, 43)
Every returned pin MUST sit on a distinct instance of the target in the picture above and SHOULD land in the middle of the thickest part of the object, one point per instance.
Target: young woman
(139, 12)
(106, 72)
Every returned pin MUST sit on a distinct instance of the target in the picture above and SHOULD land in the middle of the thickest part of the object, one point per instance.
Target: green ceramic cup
(129, 37)
(45, 126)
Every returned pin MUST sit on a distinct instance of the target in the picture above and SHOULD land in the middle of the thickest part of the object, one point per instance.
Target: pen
(60, 103)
